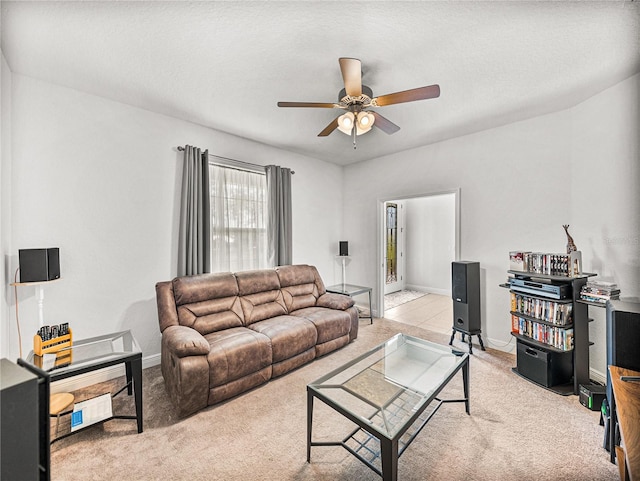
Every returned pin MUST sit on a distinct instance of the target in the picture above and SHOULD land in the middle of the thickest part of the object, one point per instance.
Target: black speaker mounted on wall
(38, 265)
(344, 248)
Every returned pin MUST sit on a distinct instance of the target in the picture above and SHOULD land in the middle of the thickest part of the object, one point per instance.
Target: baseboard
(428, 290)
(597, 376)
(498, 344)
(83, 380)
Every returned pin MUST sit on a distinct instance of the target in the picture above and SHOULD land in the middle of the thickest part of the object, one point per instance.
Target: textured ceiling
(225, 65)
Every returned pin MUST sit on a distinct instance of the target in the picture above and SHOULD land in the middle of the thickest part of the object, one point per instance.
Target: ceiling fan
(356, 98)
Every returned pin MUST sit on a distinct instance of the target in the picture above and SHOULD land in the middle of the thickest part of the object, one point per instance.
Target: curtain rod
(234, 161)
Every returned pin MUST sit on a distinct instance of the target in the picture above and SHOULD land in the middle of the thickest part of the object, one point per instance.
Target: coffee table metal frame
(391, 447)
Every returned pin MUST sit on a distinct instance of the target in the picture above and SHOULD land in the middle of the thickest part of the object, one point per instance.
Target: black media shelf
(535, 275)
(578, 356)
(590, 303)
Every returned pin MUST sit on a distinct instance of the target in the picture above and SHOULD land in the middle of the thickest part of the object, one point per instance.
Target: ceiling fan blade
(384, 124)
(352, 75)
(421, 93)
(329, 128)
(308, 104)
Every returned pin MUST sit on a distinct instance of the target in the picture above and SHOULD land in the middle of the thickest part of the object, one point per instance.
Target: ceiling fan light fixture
(364, 122)
(345, 122)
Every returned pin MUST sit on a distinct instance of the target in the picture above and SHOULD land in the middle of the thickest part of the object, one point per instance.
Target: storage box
(546, 367)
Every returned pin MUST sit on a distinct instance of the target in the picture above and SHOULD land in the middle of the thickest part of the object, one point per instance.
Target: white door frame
(380, 268)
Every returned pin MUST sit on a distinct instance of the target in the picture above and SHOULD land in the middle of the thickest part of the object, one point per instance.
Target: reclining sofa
(226, 333)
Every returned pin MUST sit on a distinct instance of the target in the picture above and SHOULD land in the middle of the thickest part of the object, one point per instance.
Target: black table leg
(389, 458)
(127, 367)
(453, 334)
(309, 423)
(465, 384)
(135, 366)
(370, 310)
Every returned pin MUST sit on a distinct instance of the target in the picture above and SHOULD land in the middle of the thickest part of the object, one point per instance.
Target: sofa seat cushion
(290, 335)
(236, 353)
(330, 324)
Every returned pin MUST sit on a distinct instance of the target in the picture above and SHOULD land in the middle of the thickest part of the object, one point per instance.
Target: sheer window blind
(238, 219)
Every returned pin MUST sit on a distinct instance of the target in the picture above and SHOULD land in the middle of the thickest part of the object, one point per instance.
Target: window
(238, 219)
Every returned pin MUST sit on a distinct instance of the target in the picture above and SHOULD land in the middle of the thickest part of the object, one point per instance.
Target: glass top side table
(352, 290)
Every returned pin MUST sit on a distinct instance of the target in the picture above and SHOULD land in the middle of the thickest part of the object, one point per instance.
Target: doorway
(394, 247)
(427, 240)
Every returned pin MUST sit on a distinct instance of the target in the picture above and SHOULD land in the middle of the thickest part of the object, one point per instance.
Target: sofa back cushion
(299, 285)
(208, 302)
(260, 295)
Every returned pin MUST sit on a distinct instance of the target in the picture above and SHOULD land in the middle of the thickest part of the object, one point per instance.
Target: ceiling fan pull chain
(353, 132)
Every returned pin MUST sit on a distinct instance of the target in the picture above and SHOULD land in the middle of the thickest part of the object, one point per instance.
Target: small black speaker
(344, 248)
(465, 291)
(37, 265)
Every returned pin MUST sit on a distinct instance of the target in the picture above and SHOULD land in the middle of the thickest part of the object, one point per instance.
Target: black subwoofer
(548, 368)
(465, 291)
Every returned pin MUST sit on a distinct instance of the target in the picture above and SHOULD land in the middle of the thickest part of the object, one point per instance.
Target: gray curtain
(279, 245)
(194, 244)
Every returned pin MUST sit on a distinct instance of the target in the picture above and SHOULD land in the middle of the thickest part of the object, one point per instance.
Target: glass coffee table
(386, 393)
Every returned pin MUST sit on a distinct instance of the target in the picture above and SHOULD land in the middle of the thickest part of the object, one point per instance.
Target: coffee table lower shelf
(366, 447)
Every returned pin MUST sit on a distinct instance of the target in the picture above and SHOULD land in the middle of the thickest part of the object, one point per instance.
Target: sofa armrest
(335, 301)
(183, 341)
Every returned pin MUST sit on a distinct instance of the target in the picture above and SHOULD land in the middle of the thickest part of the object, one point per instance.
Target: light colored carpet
(516, 431)
(401, 297)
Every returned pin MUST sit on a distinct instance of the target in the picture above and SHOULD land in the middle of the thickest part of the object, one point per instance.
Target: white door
(394, 247)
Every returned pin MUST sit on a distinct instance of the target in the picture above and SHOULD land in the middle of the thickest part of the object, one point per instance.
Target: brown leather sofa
(223, 334)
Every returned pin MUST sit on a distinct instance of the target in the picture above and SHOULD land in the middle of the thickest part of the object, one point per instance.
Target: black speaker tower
(623, 350)
(465, 292)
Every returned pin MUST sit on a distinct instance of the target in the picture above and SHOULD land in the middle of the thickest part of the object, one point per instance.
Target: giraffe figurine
(570, 244)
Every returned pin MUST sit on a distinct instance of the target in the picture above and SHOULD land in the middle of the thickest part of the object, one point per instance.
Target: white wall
(100, 180)
(605, 216)
(430, 242)
(519, 184)
(7, 336)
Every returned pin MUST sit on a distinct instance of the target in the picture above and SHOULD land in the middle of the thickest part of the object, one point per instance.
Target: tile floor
(433, 312)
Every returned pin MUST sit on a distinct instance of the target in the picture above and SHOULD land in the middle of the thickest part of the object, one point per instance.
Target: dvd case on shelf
(565, 265)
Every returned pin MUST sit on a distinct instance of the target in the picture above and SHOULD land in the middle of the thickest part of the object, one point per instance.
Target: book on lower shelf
(91, 411)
